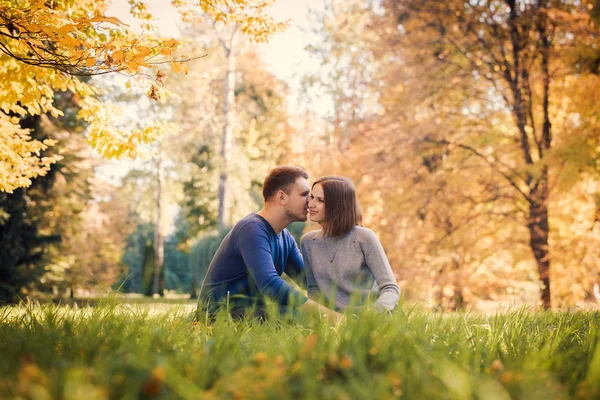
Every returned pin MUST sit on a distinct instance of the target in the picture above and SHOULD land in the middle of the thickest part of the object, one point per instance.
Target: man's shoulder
(251, 231)
(251, 223)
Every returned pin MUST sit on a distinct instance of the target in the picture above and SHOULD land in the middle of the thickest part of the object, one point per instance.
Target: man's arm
(311, 283)
(295, 266)
(254, 246)
(311, 307)
(256, 252)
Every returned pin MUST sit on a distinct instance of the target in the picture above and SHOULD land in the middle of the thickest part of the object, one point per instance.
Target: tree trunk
(538, 224)
(438, 294)
(223, 218)
(194, 286)
(148, 268)
(538, 234)
(458, 299)
(158, 239)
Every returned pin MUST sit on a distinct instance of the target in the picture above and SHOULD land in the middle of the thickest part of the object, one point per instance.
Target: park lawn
(123, 351)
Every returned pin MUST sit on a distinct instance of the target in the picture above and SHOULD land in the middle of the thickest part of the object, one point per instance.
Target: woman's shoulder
(364, 235)
(309, 236)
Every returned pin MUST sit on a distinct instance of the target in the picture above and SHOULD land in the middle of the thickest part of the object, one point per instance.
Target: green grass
(116, 351)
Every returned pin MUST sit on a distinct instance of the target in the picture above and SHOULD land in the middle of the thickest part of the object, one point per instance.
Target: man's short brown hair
(281, 178)
(342, 211)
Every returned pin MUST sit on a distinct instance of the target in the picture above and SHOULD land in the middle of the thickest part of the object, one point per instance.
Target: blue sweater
(248, 264)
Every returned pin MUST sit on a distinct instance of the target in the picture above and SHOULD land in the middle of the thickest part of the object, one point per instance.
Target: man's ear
(281, 196)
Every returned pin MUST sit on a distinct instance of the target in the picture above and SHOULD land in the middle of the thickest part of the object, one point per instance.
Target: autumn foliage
(46, 47)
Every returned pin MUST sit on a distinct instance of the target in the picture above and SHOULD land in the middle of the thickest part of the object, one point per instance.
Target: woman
(345, 263)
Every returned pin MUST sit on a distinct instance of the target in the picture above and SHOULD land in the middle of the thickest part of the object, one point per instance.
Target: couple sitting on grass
(342, 265)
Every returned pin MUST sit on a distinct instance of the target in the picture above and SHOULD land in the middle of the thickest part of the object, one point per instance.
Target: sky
(284, 54)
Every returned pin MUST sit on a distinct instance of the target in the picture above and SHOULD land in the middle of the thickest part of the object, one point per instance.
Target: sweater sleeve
(294, 267)
(311, 283)
(256, 251)
(378, 264)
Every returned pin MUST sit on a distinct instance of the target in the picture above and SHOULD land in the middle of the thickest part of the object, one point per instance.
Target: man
(248, 265)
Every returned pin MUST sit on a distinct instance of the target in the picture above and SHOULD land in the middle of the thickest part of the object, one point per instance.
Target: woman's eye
(311, 196)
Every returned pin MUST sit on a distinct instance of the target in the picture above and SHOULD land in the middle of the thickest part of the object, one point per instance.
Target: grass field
(133, 351)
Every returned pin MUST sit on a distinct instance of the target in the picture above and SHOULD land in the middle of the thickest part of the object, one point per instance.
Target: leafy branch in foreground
(46, 47)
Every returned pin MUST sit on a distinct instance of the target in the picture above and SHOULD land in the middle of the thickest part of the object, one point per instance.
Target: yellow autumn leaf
(115, 21)
(118, 56)
(176, 67)
(63, 30)
(132, 66)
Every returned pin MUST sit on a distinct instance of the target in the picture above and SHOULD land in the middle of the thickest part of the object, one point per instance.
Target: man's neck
(277, 221)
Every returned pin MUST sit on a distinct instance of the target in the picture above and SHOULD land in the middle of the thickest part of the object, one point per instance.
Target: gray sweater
(350, 270)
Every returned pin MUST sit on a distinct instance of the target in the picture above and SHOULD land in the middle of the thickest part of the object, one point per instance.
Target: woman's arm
(311, 283)
(378, 264)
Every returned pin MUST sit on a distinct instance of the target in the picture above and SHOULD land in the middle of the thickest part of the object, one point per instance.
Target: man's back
(248, 265)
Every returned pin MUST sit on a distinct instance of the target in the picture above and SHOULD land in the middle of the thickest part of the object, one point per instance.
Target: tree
(95, 249)
(41, 217)
(227, 41)
(347, 78)
(231, 39)
(202, 252)
(57, 43)
(137, 278)
(515, 50)
(146, 192)
(159, 257)
(260, 136)
(439, 161)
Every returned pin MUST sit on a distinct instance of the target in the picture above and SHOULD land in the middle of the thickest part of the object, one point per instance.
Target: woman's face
(316, 204)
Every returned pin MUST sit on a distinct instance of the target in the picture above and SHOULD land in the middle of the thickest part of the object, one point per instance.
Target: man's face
(296, 208)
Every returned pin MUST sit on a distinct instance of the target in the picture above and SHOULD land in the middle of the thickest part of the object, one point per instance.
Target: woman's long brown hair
(342, 211)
